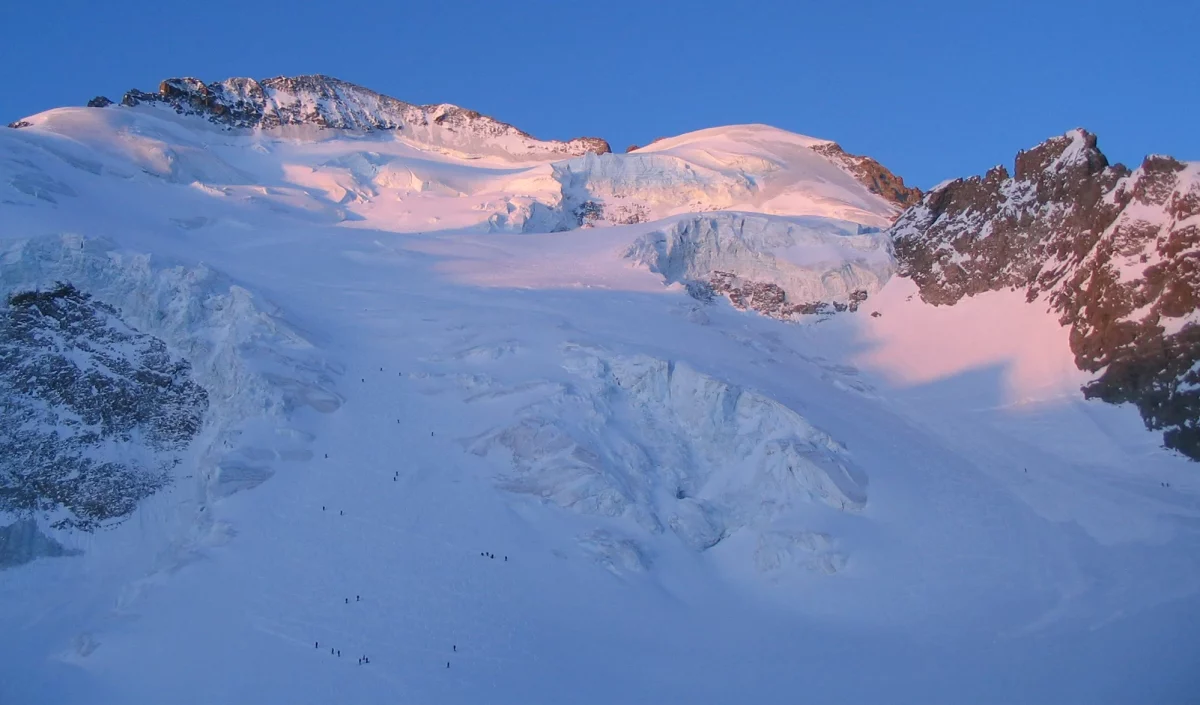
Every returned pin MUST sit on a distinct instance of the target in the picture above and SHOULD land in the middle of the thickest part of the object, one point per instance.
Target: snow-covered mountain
(324, 102)
(295, 373)
(1113, 252)
(346, 154)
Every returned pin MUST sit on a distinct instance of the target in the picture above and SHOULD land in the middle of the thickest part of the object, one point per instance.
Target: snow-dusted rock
(1112, 251)
(327, 102)
(95, 412)
(128, 365)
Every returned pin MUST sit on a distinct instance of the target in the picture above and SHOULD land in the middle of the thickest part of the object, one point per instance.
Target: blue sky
(931, 89)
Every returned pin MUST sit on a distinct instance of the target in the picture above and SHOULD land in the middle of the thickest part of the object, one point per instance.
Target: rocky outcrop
(94, 412)
(871, 174)
(635, 147)
(590, 213)
(327, 102)
(99, 102)
(771, 300)
(1116, 253)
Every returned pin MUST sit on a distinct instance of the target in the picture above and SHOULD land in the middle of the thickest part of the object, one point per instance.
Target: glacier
(481, 415)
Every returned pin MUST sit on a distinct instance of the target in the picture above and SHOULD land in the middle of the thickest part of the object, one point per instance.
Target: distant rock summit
(871, 174)
(1112, 251)
(327, 102)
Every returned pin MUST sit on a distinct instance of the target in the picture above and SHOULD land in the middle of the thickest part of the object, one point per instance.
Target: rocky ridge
(1114, 252)
(327, 102)
(871, 174)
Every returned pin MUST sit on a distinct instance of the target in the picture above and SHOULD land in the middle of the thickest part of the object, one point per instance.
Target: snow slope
(788, 176)
(408, 374)
(406, 183)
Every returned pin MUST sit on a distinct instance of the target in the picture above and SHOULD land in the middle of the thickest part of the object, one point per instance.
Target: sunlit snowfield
(408, 375)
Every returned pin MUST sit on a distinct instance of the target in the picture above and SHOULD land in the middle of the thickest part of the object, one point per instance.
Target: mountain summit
(327, 102)
(305, 390)
(1112, 251)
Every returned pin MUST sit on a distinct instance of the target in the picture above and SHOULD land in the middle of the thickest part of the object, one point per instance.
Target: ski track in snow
(963, 578)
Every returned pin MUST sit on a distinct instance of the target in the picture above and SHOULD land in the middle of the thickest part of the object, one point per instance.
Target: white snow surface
(410, 182)
(686, 503)
(786, 176)
(812, 259)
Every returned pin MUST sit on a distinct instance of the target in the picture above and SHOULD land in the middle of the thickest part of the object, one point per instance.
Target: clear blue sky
(931, 89)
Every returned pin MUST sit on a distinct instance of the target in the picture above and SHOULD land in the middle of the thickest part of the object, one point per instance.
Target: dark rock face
(242, 102)
(1116, 253)
(23, 541)
(871, 174)
(995, 231)
(770, 299)
(329, 103)
(19, 124)
(589, 213)
(93, 411)
(99, 102)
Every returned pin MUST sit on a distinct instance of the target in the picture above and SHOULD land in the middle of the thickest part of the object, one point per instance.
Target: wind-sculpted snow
(781, 268)
(672, 449)
(776, 550)
(27, 181)
(401, 181)
(623, 189)
(749, 167)
(790, 174)
(744, 168)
